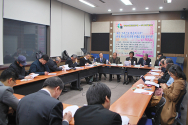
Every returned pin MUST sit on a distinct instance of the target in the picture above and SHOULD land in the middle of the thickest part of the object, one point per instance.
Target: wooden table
(132, 104)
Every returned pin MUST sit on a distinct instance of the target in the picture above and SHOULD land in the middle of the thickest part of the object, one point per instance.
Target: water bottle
(134, 63)
(106, 62)
(150, 64)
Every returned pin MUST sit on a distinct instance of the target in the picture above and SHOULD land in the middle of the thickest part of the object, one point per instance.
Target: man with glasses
(8, 102)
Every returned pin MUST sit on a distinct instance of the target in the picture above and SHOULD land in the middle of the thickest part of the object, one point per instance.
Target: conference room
(131, 51)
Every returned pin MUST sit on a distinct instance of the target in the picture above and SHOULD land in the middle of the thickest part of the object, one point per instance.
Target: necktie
(144, 62)
(101, 59)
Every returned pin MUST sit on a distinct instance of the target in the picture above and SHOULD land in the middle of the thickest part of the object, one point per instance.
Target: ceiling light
(109, 10)
(85, 2)
(127, 2)
(121, 9)
(146, 8)
(134, 9)
(160, 7)
(169, 1)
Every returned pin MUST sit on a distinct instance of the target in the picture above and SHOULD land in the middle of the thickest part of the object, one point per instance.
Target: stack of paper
(120, 64)
(79, 67)
(66, 67)
(113, 64)
(52, 74)
(156, 70)
(34, 75)
(137, 66)
(152, 83)
(154, 73)
(72, 109)
(142, 91)
(149, 77)
(125, 120)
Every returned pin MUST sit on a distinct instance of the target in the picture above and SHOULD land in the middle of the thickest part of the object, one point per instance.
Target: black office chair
(178, 110)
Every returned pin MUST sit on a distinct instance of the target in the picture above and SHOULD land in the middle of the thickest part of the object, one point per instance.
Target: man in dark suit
(52, 64)
(42, 107)
(8, 102)
(115, 60)
(39, 66)
(131, 58)
(101, 60)
(70, 60)
(97, 112)
(157, 62)
(85, 62)
(145, 61)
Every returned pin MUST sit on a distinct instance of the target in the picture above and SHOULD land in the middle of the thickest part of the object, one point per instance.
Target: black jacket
(99, 61)
(39, 109)
(96, 115)
(19, 70)
(38, 68)
(141, 61)
(53, 66)
(164, 78)
(83, 61)
(132, 60)
(70, 63)
(157, 63)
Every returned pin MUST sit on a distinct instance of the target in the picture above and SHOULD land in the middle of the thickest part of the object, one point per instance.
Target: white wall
(87, 24)
(34, 11)
(1, 32)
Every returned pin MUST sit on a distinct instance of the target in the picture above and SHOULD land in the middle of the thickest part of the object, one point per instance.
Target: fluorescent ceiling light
(109, 10)
(160, 7)
(169, 1)
(146, 8)
(134, 9)
(120, 9)
(127, 2)
(85, 2)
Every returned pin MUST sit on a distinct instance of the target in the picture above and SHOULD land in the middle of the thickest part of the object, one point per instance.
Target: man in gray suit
(42, 107)
(8, 102)
(115, 60)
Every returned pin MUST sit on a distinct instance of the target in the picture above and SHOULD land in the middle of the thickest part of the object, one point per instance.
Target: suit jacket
(103, 60)
(38, 68)
(132, 60)
(19, 70)
(70, 63)
(172, 95)
(141, 61)
(53, 66)
(83, 61)
(7, 99)
(164, 78)
(157, 63)
(40, 109)
(117, 60)
(96, 115)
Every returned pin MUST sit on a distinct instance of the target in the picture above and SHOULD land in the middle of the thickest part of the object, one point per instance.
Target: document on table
(65, 66)
(34, 75)
(152, 83)
(156, 70)
(142, 91)
(79, 67)
(154, 73)
(72, 109)
(137, 66)
(149, 77)
(52, 74)
(125, 120)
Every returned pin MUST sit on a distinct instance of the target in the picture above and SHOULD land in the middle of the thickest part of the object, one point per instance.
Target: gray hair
(146, 54)
(87, 54)
(169, 60)
(53, 82)
(58, 59)
(74, 56)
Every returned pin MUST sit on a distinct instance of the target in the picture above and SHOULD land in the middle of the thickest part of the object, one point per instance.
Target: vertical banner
(137, 36)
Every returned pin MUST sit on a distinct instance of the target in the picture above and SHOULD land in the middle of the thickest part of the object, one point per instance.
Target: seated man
(131, 58)
(115, 60)
(101, 60)
(157, 62)
(163, 69)
(39, 66)
(97, 112)
(70, 60)
(52, 64)
(18, 66)
(145, 61)
(84, 62)
(42, 107)
(8, 101)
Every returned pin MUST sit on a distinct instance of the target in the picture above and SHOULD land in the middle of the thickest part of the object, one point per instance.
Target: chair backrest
(159, 108)
(39, 54)
(179, 102)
